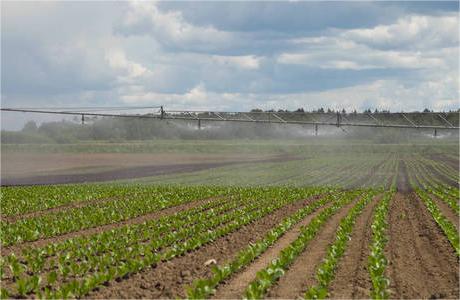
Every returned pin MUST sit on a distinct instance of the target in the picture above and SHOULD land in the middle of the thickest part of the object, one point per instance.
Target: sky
(231, 56)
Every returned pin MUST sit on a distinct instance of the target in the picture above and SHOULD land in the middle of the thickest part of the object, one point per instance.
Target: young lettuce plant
(326, 271)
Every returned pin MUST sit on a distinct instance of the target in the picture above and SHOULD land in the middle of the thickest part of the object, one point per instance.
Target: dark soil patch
(403, 183)
(169, 279)
(132, 172)
(422, 263)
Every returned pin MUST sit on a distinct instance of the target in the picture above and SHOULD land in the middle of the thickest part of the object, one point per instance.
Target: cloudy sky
(231, 56)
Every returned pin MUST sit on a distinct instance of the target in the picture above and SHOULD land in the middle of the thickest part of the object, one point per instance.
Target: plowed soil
(447, 212)
(352, 276)
(169, 279)
(235, 286)
(422, 263)
(302, 272)
(402, 183)
(128, 172)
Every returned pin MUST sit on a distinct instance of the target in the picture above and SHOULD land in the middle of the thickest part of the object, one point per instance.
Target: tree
(30, 126)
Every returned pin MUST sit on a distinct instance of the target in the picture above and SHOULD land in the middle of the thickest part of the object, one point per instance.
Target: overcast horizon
(397, 56)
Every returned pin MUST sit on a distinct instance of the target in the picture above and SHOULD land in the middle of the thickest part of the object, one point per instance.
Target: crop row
(266, 277)
(352, 176)
(27, 199)
(64, 264)
(359, 175)
(381, 174)
(443, 168)
(203, 288)
(85, 247)
(75, 219)
(440, 169)
(447, 227)
(134, 233)
(102, 266)
(377, 261)
(326, 271)
(440, 190)
(320, 171)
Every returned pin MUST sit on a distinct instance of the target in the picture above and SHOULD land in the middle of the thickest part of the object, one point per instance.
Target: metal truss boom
(389, 120)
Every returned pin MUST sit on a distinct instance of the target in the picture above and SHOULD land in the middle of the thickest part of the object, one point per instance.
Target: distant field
(224, 162)
(254, 219)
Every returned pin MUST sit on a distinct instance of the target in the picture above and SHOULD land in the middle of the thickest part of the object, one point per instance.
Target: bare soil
(302, 273)
(422, 263)
(402, 182)
(128, 169)
(27, 164)
(352, 276)
(236, 285)
(169, 279)
(447, 211)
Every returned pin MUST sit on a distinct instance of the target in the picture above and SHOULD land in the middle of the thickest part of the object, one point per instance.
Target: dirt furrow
(235, 286)
(422, 263)
(447, 211)
(169, 279)
(402, 182)
(99, 229)
(302, 273)
(352, 276)
(442, 177)
(454, 163)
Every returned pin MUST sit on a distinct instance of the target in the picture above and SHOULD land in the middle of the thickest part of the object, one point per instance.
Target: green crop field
(298, 222)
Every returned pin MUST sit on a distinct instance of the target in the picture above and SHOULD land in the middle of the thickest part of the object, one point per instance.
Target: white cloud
(170, 28)
(414, 32)
(413, 42)
(130, 70)
(360, 58)
(196, 98)
(382, 94)
(323, 61)
(249, 62)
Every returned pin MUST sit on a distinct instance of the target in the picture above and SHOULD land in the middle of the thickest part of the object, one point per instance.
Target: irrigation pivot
(415, 120)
